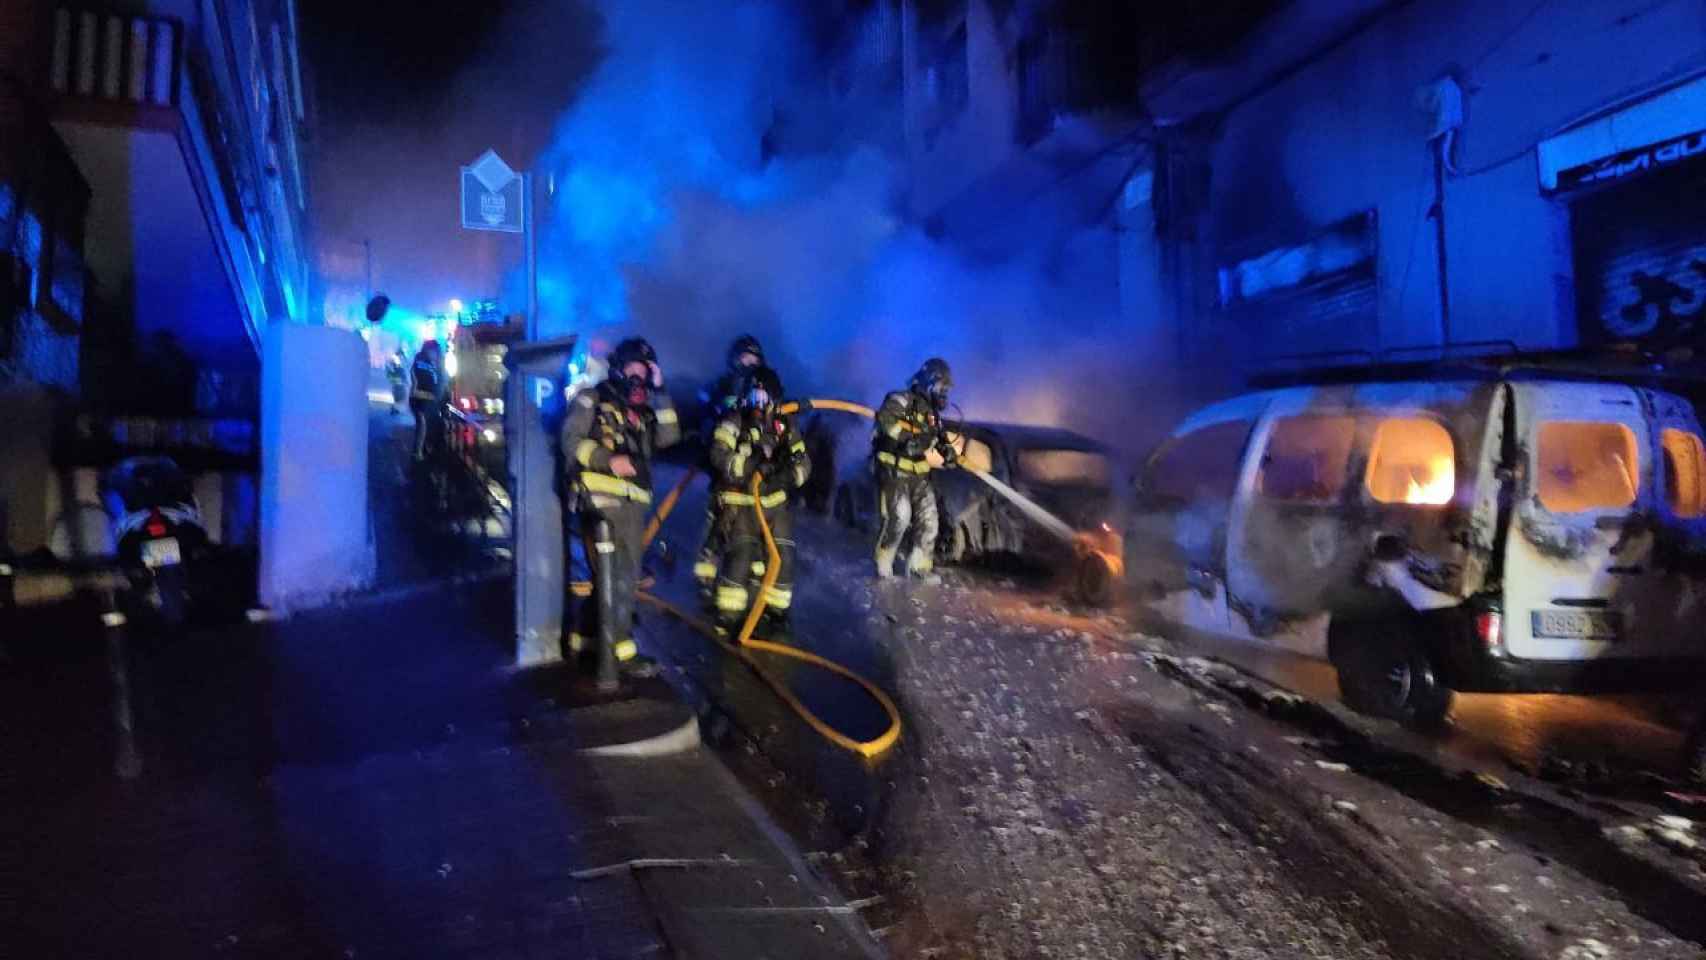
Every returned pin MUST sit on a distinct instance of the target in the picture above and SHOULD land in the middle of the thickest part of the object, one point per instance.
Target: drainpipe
(1441, 144)
(1442, 100)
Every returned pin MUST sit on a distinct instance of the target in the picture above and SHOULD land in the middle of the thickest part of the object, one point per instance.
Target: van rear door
(1679, 549)
(1579, 574)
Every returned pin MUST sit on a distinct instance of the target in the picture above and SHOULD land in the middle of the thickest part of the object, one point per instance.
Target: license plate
(161, 553)
(1577, 624)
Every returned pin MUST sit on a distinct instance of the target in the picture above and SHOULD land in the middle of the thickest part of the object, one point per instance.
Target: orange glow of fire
(1435, 486)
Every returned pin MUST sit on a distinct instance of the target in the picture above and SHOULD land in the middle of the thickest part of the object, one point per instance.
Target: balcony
(116, 67)
(170, 226)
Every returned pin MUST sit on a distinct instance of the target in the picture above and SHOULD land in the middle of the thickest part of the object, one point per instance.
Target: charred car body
(1500, 528)
(1068, 475)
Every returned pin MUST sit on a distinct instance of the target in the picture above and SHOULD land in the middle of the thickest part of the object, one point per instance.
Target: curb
(680, 740)
(636, 727)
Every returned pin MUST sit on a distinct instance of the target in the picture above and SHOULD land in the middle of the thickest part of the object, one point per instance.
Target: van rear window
(1412, 461)
(1685, 473)
(1307, 458)
(1587, 465)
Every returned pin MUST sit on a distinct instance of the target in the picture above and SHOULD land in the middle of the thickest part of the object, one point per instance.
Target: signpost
(497, 198)
(492, 196)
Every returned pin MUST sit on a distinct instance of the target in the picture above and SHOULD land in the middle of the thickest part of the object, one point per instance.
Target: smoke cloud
(738, 167)
(756, 184)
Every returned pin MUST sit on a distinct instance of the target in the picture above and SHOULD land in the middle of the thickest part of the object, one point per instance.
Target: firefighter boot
(921, 567)
(885, 562)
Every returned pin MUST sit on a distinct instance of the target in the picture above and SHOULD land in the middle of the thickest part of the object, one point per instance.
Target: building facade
(159, 228)
(1396, 180)
(1324, 181)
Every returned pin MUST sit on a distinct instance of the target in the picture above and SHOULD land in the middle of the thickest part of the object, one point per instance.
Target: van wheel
(1095, 580)
(1385, 672)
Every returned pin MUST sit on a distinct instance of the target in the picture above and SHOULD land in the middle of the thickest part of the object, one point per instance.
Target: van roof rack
(1488, 359)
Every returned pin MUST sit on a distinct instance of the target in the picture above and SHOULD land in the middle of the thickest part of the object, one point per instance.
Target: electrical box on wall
(1442, 102)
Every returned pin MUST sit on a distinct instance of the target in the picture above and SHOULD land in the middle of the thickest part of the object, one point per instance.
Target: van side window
(1685, 472)
(1587, 465)
(1201, 465)
(1412, 461)
(1307, 459)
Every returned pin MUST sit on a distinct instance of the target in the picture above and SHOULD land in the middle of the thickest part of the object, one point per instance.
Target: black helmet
(631, 350)
(744, 344)
(756, 379)
(934, 380)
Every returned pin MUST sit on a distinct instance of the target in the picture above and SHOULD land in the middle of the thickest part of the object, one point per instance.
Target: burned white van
(1495, 529)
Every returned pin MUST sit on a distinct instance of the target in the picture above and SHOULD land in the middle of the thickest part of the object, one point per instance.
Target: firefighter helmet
(744, 344)
(631, 350)
(933, 378)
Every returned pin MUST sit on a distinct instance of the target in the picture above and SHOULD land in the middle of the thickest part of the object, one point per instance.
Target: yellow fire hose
(745, 642)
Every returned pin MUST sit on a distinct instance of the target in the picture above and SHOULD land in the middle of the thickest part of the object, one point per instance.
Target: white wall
(1344, 135)
(314, 423)
(978, 140)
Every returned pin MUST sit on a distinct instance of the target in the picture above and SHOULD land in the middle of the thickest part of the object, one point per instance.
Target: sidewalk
(339, 786)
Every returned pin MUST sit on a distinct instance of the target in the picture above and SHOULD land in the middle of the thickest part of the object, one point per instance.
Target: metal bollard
(127, 760)
(604, 573)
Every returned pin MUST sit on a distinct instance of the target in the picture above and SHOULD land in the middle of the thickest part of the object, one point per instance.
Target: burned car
(1506, 528)
(1068, 475)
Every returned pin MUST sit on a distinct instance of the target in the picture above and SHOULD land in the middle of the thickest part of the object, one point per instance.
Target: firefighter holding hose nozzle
(609, 438)
(717, 400)
(910, 442)
(752, 440)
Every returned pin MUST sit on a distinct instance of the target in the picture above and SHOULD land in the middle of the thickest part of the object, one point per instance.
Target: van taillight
(1489, 629)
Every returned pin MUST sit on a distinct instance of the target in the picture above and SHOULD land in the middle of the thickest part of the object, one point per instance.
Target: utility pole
(367, 248)
(529, 240)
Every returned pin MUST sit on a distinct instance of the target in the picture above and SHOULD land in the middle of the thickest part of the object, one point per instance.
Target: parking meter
(533, 408)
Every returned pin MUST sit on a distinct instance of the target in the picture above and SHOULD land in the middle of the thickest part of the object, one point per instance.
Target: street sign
(492, 196)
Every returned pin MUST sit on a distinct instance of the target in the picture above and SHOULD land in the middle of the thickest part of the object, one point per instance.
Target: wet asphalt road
(1620, 736)
(1066, 788)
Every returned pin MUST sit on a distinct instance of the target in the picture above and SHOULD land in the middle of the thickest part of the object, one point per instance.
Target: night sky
(408, 91)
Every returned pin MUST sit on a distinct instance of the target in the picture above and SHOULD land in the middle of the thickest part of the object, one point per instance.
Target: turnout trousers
(611, 531)
(906, 503)
(744, 562)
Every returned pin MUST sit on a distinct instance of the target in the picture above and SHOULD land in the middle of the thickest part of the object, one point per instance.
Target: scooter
(158, 533)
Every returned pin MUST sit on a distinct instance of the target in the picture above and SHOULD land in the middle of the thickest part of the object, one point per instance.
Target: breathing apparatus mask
(760, 390)
(636, 388)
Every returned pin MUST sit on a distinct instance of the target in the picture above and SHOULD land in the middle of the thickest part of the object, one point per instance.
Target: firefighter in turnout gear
(427, 393)
(717, 400)
(609, 438)
(910, 442)
(754, 440)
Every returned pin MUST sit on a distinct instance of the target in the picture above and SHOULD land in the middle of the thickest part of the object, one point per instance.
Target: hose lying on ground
(744, 642)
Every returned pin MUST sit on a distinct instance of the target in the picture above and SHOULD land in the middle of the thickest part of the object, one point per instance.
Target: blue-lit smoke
(671, 218)
(679, 105)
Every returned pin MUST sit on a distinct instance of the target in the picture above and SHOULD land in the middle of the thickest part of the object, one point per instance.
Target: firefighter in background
(716, 400)
(397, 371)
(427, 392)
(754, 440)
(910, 442)
(610, 436)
